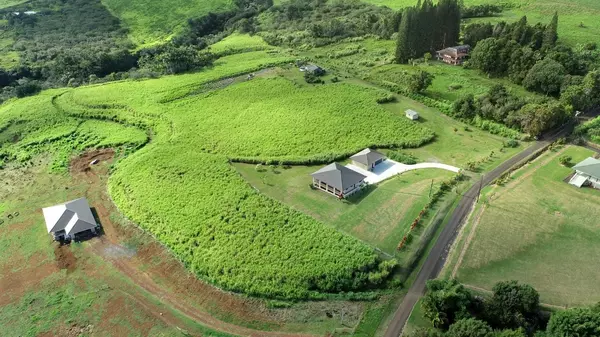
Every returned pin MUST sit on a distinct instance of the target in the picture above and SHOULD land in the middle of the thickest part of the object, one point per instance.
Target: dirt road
(437, 257)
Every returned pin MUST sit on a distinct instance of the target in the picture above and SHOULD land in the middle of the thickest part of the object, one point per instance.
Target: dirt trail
(183, 289)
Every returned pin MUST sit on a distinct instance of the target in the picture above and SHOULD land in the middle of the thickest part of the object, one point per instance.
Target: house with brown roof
(454, 55)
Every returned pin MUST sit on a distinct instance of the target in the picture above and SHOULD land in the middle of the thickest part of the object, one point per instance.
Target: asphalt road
(437, 257)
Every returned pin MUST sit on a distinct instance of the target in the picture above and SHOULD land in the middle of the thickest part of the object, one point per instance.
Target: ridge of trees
(513, 310)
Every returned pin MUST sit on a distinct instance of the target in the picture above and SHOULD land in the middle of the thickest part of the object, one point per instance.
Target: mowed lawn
(571, 14)
(539, 230)
(455, 143)
(381, 217)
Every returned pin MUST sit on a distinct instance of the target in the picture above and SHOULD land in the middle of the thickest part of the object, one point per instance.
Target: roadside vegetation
(511, 309)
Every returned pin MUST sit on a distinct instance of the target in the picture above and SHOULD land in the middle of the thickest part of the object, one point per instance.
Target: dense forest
(513, 310)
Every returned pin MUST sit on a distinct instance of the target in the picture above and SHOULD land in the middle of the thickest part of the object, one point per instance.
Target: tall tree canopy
(445, 302)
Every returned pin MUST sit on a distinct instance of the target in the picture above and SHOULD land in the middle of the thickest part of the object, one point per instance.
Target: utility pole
(480, 187)
(430, 188)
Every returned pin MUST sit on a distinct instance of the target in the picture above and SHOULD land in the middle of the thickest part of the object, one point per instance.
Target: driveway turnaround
(390, 168)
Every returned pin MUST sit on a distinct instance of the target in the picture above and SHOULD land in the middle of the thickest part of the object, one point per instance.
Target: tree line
(426, 28)
(513, 310)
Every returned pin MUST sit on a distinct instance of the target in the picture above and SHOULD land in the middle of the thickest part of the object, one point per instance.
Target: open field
(536, 229)
(155, 21)
(381, 217)
(10, 3)
(236, 43)
(181, 188)
(571, 14)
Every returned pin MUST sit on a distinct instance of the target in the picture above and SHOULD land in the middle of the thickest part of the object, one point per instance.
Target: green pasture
(154, 21)
(539, 230)
(237, 42)
(380, 217)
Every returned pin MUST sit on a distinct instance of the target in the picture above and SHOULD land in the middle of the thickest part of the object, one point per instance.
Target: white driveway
(390, 168)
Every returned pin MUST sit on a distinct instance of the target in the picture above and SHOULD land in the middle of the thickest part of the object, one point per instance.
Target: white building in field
(67, 220)
(587, 173)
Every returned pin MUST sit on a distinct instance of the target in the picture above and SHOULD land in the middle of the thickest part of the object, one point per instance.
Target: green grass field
(539, 230)
(155, 21)
(380, 218)
(237, 42)
(10, 3)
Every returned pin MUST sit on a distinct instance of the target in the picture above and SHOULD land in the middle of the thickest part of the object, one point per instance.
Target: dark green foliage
(417, 35)
(311, 77)
(71, 39)
(485, 56)
(546, 76)
(577, 322)
(445, 302)
(476, 32)
(550, 33)
(511, 143)
(170, 59)
(565, 160)
(27, 87)
(479, 11)
(426, 333)
(325, 21)
(419, 81)
(520, 62)
(403, 158)
(513, 306)
(469, 327)
(510, 333)
(464, 107)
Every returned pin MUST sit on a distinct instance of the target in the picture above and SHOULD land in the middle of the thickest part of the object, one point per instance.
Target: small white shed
(412, 115)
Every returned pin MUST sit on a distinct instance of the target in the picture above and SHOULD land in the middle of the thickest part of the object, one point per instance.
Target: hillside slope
(152, 21)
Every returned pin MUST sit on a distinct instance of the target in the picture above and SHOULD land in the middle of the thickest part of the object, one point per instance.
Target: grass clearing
(237, 42)
(555, 251)
(10, 3)
(152, 22)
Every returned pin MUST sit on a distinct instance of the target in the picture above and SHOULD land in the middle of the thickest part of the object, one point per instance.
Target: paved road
(436, 258)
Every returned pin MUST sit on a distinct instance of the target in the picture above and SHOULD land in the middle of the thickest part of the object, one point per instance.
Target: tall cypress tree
(551, 33)
(402, 44)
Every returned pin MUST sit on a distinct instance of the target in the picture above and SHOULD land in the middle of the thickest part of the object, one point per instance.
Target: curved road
(437, 257)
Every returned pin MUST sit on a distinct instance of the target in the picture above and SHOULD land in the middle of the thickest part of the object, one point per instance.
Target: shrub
(565, 160)
(403, 158)
(511, 143)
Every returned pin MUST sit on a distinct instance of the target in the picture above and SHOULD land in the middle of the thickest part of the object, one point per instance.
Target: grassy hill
(153, 21)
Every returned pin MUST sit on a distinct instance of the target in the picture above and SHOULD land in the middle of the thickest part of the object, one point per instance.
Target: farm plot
(237, 42)
(181, 188)
(539, 230)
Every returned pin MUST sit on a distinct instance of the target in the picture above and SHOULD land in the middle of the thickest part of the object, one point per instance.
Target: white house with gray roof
(368, 159)
(66, 220)
(338, 180)
(587, 173)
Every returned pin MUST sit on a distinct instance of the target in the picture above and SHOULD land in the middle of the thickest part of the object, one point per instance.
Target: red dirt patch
(82, 164)
(65, 258)
(32, 273)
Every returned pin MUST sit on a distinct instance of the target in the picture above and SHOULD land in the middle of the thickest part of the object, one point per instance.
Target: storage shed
(412, 114)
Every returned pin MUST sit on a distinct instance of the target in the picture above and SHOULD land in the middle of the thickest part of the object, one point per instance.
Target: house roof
(73, 217)
(338, 176)
(411, 112)
(589, 166)
(454, 51)
(367, 157)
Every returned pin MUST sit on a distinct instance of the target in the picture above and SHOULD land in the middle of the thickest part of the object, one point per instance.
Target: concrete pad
(390, 168)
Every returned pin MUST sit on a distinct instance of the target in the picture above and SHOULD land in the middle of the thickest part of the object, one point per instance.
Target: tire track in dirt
(80, 170)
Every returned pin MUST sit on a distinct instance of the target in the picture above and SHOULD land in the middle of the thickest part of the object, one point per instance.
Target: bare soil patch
(15, 284)
(65, 258)
(82, 164)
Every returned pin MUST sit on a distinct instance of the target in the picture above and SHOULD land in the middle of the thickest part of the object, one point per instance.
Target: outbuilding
(312, 69)
(368, 159)
(338, 180)
(587, 173)
(67, 220)
(412, 114)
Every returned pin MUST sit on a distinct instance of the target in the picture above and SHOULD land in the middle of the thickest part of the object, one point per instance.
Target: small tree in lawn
(419, 81)
(565, 160)
(427, 58)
